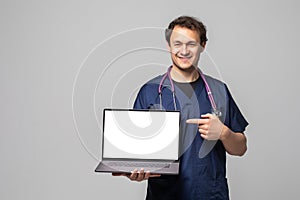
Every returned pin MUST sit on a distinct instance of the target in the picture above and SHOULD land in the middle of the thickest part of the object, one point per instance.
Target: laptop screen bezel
(142, 110)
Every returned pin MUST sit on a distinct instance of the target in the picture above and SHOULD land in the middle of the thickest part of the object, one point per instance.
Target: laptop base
(117, 166)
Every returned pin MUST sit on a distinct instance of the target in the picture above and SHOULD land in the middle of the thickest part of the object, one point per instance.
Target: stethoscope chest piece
(217, 112)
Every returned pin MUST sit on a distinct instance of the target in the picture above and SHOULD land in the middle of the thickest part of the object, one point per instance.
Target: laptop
(140, 139)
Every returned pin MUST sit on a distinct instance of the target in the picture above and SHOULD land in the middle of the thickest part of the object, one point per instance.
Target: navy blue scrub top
(198, 178)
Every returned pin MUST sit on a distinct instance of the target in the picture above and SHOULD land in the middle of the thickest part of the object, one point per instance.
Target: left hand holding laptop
(137, 175)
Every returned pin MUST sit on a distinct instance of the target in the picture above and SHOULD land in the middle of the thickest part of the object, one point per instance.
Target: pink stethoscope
(208, 90)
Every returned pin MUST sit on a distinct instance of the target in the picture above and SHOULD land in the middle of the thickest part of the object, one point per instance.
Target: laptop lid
(140, 134)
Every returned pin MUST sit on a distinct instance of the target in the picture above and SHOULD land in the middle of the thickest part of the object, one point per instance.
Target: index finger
(196, 121)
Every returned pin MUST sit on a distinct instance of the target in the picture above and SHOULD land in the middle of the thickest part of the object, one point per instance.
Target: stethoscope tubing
(168, 75)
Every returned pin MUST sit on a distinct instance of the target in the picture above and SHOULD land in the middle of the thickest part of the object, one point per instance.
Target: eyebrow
(189, 42)
(177, 41)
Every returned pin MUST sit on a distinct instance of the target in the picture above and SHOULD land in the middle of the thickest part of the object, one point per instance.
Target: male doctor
(202, 175)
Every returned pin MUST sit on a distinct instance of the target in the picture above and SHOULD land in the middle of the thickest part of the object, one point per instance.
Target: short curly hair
(187, 22)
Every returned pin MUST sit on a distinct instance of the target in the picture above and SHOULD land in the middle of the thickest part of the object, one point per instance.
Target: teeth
(183, 57)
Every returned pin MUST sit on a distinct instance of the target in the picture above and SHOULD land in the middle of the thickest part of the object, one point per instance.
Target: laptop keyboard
(138, 164)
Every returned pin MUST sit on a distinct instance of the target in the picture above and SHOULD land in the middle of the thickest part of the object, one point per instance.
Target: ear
(168, 46)
(203, 45)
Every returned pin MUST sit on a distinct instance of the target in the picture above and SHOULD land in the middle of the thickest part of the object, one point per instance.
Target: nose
(184, 50)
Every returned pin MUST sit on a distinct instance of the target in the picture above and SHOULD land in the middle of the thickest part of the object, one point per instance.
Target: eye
(192, 44)
(177, 44)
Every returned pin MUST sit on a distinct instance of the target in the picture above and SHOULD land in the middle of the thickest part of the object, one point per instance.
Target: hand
(210, 126)
(137, 175)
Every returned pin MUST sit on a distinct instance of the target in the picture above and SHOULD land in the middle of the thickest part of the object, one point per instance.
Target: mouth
(184, 58)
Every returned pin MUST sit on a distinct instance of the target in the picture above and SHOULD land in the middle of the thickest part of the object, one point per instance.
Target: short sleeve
(236, 121)
(139, 102)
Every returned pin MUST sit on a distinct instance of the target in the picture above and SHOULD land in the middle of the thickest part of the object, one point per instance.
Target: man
(206, 136)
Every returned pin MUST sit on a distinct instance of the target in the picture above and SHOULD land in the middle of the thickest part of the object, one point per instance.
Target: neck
(187, 75)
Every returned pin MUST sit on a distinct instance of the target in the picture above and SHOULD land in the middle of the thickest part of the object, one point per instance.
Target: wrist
(225, 133)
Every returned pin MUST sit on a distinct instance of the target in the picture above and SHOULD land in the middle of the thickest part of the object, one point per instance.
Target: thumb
(207, 115)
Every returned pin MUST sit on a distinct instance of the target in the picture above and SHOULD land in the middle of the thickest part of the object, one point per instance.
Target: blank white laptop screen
(137, 134)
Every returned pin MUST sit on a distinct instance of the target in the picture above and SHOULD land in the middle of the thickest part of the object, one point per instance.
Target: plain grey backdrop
(43, 44)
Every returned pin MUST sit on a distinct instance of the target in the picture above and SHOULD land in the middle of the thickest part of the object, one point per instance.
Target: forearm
(234, 143)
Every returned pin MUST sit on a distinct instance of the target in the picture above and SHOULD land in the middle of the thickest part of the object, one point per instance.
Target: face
(185, 48)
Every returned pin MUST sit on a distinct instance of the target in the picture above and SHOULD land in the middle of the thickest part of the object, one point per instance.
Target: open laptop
(136, 139)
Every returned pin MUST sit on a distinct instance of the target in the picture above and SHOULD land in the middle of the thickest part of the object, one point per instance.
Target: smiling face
(185, 48)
